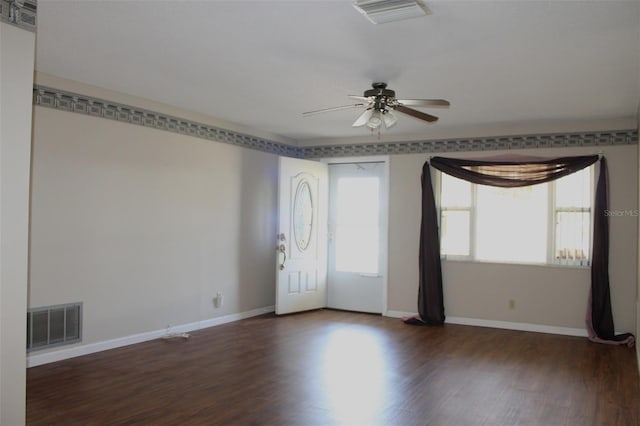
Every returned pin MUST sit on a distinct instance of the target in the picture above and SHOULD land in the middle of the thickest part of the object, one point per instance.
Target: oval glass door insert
(302, 215)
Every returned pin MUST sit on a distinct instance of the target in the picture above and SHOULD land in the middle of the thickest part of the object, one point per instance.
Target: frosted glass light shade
(375, 120)
(390, 119)
(363, 119)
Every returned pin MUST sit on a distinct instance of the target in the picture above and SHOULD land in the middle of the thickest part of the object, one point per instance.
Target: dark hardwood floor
(330, 367)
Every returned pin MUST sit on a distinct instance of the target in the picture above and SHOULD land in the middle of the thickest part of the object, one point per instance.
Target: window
(545, 223)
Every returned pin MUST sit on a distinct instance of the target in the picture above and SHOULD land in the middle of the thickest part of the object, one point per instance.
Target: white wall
(551, 296)
(16, 82)
(144, 226)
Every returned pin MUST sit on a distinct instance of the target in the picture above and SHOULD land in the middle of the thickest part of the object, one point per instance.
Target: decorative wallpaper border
(557, 140)
(73, 102)
(22, 13)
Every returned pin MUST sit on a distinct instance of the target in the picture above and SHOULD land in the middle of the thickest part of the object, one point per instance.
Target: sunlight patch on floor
(354, 375)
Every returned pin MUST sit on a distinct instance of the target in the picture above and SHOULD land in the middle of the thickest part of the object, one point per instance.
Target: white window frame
(552, 212)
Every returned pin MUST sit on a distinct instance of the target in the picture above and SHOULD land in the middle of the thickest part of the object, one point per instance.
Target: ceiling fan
(380, 102)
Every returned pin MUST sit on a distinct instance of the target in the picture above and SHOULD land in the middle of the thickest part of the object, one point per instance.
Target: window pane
(357, 225)
(455, 192)
(572, 237)
(574, 190)
(454, 227)
(512, 224)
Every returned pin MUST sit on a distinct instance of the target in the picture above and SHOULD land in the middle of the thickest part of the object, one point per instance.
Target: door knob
(282, 249)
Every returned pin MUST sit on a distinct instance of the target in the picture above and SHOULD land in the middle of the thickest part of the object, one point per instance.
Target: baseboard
(507, 325)
(520, 326)
(399, 314)
(35, 359)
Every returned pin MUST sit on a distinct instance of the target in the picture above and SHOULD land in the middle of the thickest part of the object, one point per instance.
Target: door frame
(384, 215)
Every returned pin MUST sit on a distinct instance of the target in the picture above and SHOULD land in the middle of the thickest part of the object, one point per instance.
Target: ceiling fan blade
(431, 103)
(364, 117)
(417, 114)
(339, 108)
(360, 98)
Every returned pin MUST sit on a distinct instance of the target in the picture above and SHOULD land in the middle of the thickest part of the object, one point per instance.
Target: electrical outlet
(512, 304)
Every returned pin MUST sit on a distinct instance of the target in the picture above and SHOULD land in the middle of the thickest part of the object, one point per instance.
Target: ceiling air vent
(383, 11)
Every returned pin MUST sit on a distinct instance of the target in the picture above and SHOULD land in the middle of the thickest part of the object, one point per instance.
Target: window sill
(487, 262)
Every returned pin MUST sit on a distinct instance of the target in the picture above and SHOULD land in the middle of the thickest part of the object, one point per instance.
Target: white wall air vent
(53, 326)
(383, 11)
(22, 13)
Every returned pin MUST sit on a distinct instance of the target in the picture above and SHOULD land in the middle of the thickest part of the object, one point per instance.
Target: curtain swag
(512, 174)
(516, 172)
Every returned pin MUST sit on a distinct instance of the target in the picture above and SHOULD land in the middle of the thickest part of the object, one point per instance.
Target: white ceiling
(262, 63)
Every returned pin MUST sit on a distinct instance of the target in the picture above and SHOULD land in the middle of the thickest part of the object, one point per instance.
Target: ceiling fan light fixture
(389, 119)
(364, 118)
(384, 11)
(381, 105)
(376, 120)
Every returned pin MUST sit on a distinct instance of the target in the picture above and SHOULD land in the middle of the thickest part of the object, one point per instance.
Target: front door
(301, 270)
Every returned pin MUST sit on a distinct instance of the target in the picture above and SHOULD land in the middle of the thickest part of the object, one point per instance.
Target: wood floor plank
(331, 367)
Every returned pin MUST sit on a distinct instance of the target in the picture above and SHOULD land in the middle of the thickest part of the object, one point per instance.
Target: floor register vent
(53, 326)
